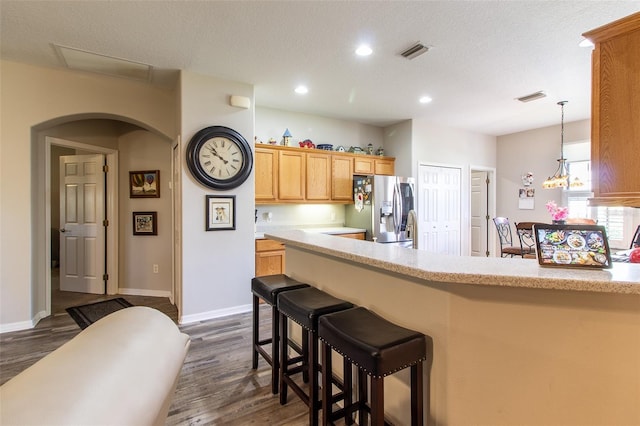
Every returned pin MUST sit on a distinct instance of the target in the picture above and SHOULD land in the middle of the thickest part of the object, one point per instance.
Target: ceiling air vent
(415, 51)
(532, 97)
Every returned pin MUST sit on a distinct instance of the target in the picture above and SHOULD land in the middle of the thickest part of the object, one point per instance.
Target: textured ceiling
(483, 53)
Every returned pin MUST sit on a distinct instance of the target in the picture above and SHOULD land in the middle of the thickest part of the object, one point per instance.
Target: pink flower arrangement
(557, 213)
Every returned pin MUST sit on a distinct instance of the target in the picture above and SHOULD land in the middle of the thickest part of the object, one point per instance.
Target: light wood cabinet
(286, 175)
(384, 166)
(266, 175)
(615, 112)
(355, 235)
(291, 175)
(318, 176)
(364, 166)
(270, 257)
(341, 178)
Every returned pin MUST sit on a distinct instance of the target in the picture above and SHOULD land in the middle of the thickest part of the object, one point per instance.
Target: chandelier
(560, 179)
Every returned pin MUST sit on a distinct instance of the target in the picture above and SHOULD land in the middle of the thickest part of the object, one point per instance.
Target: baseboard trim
(218, 313)
(22, 325)
(143, 292)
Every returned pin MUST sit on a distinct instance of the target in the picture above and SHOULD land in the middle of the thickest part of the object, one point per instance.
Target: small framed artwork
(221, 212)
(144, 184)
(145, 223)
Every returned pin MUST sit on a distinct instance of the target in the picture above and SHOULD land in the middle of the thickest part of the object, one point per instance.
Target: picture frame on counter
(220, 212)
(145, 223)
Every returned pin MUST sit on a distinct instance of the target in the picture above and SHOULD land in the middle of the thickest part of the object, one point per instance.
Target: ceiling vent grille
(532, 96)
(415, 51)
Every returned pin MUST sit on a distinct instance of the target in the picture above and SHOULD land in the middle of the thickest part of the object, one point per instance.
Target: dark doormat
(85, 315)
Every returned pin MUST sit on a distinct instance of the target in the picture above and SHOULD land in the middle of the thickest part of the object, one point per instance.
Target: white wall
(398, 143)
(299, 215)
(143, 150)
(272, 123)
(439, 145)
(533, 151)
(217, 265)
(34, 97)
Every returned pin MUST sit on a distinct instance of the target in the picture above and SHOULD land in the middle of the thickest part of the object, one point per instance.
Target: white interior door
(439, 209)
(479, 213)
(82, 236)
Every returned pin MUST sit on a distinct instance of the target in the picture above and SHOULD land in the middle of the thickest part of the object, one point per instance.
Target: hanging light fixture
(560, 179)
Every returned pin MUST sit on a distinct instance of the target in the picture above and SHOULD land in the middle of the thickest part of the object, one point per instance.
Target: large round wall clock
(219, 157)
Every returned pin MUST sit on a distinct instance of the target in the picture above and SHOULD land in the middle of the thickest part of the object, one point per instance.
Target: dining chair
(635, 241)
(506, 241)
(527, 239)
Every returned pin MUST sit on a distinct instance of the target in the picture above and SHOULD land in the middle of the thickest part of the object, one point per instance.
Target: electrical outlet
(333, 217)
(155, 268)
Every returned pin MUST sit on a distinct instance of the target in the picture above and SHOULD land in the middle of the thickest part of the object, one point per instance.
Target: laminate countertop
(328, 230)
(622, 278)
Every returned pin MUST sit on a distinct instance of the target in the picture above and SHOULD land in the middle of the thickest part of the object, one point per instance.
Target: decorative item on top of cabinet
(615, 108)
(270, 257)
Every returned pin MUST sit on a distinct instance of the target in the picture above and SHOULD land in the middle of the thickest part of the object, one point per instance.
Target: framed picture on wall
(144, 184)
(221, 212)
(145, 223)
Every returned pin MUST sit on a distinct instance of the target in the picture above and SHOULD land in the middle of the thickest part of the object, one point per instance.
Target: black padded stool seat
(378, 348)
(267, 288)
(305, 306)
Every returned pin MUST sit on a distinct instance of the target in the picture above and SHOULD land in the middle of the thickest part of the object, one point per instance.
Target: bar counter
(513, 343)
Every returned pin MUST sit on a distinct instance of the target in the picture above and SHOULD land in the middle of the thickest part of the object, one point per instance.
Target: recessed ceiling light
(302, 90)
(364, 50)
(425, 99)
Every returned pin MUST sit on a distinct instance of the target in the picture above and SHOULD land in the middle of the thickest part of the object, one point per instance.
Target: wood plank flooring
(217, 385)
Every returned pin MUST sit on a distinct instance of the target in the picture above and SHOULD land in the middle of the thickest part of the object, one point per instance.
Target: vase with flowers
(558, 214)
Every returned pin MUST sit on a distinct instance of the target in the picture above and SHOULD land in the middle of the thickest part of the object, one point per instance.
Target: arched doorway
(127, 145)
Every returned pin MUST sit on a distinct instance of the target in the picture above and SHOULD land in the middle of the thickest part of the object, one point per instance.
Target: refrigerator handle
(397, 209)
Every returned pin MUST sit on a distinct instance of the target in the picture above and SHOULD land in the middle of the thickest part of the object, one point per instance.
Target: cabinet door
(291, 175)
(341, 178)
(266, 169)
(318, 176)
(384, 166)
(363, 166)
(270, 257)
(270, 263)
(615, 128)
(355, 235)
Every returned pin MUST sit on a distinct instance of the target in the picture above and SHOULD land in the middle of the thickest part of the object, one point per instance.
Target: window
(620, 222)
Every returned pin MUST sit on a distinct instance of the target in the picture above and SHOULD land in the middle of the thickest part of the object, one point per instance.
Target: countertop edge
(621, 279)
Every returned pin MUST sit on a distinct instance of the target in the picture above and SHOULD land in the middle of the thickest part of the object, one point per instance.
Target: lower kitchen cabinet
(269, 257)
(355, 235)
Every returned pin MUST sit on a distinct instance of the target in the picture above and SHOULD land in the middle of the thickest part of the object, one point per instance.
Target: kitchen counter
(507, 272)
(513, 343)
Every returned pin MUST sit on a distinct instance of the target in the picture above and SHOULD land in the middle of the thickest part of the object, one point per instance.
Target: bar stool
(267, 288)
(377, 348)
(304, 306)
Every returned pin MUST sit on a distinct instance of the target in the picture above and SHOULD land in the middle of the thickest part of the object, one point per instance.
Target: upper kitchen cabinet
(615, 113)
(287, 175)
(266, 170)
(318, 176)
(342, 178)
(291, 175)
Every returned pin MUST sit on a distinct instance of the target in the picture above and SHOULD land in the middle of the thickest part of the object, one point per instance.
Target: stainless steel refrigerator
(382, 206)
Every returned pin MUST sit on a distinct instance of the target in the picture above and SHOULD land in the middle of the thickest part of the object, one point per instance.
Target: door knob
(63, 230)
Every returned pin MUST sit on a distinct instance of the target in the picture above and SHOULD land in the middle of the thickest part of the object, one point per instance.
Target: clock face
(219, 157)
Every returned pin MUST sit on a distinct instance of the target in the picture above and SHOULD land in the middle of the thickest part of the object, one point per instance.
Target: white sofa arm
(121, 370)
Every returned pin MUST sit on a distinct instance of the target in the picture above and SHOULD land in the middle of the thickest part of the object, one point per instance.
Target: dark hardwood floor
(217, 385)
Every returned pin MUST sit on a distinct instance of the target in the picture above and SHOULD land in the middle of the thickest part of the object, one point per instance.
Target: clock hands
(213, 151)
